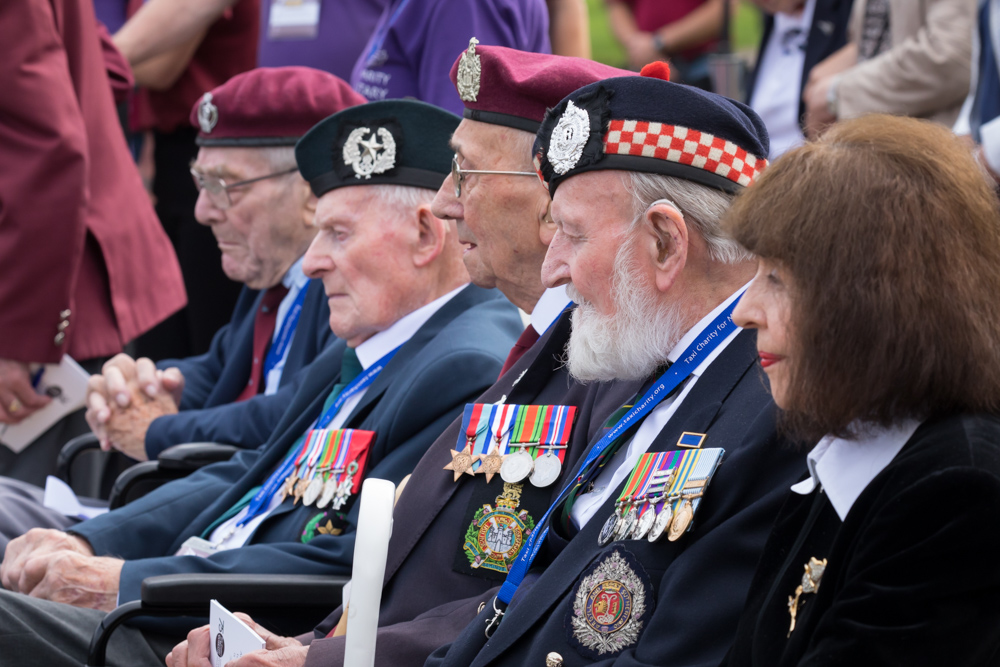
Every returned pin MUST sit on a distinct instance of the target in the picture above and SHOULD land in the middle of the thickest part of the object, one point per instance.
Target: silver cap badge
(368, 156)
(208, 113)
(469, 72)
(568, 139)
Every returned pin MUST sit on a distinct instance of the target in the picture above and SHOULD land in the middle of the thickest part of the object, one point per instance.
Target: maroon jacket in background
(77, 230)
(229, 48)
(119, 72)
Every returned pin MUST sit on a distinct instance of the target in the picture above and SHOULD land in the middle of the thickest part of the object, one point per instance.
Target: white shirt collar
(294, 277)
(552, 303)
(845, 467)
(388, 340)
(689, 337)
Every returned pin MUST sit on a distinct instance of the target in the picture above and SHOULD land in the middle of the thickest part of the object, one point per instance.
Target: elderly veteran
(261, 211)
(436, 577)
(889, 361)
(417, 343)
(647, 553)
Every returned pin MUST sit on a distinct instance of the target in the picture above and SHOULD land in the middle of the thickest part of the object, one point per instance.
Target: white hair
(404, 198)
(701, 206)
(633, 342)
(277, 158)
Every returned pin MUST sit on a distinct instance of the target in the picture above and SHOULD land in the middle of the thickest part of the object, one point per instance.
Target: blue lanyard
(382, 31)
(710, 338)
(263, 497)
(280, 346)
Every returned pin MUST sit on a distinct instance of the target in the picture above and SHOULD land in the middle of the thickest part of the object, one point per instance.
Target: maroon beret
(514, 88)
(270, 106)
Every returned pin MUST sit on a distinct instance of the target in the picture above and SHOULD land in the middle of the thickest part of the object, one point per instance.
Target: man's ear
(547, 227)
(432, 234)
(665, 236)
(309, 201)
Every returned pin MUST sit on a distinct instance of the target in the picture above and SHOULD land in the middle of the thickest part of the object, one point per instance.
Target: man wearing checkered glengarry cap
(640, 170)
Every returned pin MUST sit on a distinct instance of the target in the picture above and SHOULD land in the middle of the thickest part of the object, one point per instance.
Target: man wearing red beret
(437, 577)
(260, 209)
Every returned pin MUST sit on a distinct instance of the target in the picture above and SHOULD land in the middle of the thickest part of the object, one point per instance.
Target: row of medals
(626, 524)
(515, 468)
(320, 492)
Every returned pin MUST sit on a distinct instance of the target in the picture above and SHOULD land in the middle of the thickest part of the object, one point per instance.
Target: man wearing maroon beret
(262, 216)
(435, 580)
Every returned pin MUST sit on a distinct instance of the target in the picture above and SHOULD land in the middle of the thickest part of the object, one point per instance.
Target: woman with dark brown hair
(877, 309)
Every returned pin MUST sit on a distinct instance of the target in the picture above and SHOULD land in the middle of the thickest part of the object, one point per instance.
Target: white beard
(629, 345)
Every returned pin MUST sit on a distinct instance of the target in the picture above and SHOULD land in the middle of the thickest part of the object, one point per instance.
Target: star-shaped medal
(491, 463)
(462, 462)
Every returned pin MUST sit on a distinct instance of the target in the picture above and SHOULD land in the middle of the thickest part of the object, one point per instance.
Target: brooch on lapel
(497, 532)
(810, 584)
(610, 605)
(324, 523)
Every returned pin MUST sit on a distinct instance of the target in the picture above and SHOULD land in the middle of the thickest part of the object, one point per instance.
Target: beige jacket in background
(926, 72)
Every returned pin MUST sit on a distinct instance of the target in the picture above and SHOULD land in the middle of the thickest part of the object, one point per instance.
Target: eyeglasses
(218, 189)
(458, 174)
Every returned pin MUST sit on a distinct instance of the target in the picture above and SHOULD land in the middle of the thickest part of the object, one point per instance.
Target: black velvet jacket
(911, 576)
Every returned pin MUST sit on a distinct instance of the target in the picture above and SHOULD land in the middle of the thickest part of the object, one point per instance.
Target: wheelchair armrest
(243, 591)
(193, 455)
(69, 452)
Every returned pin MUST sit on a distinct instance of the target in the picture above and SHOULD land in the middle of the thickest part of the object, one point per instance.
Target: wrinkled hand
(73, 578)
(18, 399)
(36, 543)
(126, 398)
(278, 650)
(818, 116)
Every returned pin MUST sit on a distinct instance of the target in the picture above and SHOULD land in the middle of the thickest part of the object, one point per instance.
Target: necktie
(527, 338)
(263, 330)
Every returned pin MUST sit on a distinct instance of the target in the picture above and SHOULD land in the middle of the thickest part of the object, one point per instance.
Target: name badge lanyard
(263, 497)
(280, 346)
(704, 344)
(379, 38)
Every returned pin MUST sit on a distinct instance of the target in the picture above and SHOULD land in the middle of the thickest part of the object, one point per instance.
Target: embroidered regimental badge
(611, 603)
(366, 156)
(208, 113)
(496, 534)
(324, 523)
(469, 72)
(568, 139)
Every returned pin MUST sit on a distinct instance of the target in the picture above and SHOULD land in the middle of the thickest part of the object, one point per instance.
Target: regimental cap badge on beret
(369, 151)
(469, 73)
(208, 113)
(568, 139)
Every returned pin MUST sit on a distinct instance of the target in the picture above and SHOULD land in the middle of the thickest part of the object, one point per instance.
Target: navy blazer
(827, 34)
(426, 601)
(213, 380)
(450, 360)
(692, 589)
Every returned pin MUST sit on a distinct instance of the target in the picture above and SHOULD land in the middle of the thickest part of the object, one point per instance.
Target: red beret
(514, 88)
(270, 106)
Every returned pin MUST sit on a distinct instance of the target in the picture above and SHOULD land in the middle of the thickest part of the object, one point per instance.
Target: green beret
(393, 142)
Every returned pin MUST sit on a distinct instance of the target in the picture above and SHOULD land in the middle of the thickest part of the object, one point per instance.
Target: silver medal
(644, 523)
(516, 467)
(329, 489)
(547, 470)
(312, 492)
(608, 530)
(661, 523)
(345, 487)
(627, 524)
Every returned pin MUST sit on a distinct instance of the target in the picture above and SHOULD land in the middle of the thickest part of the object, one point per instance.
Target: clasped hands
(53, 565)
(125, 399)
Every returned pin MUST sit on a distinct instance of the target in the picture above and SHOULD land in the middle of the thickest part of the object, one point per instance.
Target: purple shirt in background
(344, 28)
(111, 13)
(415, 43)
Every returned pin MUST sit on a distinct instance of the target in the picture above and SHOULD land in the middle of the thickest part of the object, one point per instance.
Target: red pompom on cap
(656, 70)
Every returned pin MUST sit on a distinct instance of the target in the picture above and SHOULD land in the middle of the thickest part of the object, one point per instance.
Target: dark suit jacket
(426, 602)
(695, 587)
(909, 577)
(86, 265)
(213, 380)
(449, 361)
(827, 33)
